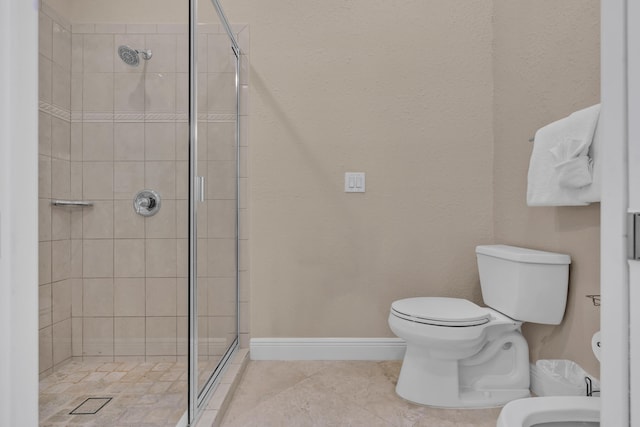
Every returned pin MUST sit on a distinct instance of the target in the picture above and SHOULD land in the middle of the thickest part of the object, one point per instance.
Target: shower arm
(146, 54)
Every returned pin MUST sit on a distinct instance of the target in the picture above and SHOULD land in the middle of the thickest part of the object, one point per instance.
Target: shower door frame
(197, 398)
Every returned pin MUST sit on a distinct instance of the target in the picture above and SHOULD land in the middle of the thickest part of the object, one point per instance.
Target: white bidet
(551, 411)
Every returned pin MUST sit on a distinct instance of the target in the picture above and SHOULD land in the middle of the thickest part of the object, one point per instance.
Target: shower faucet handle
(146, 203)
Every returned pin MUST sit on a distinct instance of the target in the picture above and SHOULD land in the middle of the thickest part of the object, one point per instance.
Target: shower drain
(91, 406)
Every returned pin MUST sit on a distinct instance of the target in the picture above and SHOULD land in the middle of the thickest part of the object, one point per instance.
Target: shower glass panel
(118, 155)
(217, 212)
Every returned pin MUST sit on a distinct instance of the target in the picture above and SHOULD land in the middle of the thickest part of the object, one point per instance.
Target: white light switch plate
(354, 182)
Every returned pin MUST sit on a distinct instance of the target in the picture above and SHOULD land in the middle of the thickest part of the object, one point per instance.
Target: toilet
(461, 355)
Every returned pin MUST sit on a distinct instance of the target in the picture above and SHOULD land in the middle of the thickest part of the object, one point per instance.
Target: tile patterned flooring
(301, 394)
(144, 394)
(283, 394)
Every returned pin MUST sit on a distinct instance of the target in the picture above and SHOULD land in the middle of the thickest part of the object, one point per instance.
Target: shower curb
(214, 413)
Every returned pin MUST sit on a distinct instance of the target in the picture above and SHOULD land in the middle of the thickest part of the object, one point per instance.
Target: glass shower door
(215, 206)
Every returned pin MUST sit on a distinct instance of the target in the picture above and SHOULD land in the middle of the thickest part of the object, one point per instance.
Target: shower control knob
(146, 203)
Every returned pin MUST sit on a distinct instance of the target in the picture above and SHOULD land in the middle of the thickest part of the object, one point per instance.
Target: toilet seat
(438, 311)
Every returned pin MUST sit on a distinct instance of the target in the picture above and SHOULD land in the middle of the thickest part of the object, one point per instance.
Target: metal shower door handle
(146, 203)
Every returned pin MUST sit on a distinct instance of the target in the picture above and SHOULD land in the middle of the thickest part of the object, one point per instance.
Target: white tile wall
(129, 257)
(130, 297)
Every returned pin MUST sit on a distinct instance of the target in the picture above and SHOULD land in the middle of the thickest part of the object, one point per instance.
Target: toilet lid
(441, 311)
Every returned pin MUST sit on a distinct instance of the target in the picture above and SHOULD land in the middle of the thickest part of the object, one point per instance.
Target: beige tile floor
(300, 394)
(144, 394)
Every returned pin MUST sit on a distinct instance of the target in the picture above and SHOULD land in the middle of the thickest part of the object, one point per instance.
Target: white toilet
(460, 355)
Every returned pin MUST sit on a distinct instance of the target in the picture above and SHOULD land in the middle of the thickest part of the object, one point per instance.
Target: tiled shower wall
(129, 133)
(125, 290)
(55, 275)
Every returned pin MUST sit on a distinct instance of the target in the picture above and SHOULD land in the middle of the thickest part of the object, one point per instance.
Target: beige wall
(123, 11)
(402, 94)
(136, 11)
(399, 90)
(546, 65)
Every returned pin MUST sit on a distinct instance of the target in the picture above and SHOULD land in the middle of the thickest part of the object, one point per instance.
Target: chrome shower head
(131, 56)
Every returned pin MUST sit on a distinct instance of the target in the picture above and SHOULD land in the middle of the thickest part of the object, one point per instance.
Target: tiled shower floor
(323, 394)
(143, 394)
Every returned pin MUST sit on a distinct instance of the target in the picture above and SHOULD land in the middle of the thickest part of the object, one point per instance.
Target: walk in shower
(139, 164)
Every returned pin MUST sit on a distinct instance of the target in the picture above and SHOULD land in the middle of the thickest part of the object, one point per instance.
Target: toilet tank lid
(514, 253)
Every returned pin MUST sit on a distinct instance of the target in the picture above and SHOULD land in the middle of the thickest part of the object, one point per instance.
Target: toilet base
(446, 396)
(491, 378)
(477, 400)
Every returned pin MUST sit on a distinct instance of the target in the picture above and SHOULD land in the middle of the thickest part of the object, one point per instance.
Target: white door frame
(19, 213)
(615, 313)
(633, 167)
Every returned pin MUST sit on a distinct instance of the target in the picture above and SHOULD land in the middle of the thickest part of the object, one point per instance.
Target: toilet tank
(524, 284)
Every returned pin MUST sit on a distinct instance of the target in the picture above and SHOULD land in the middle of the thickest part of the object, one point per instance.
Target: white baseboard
(327, 348)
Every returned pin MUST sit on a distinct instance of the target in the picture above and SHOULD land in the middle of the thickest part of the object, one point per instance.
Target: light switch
(354, 182)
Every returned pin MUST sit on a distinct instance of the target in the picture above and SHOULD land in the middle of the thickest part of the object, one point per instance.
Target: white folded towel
(592, 193)
(560, 169)
(574, 165)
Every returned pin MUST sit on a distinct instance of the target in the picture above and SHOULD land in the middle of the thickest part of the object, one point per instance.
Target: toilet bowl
(461, 355)
(481, 365)
(551, 411)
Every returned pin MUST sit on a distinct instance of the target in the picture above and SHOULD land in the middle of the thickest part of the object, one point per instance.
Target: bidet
(551, 411)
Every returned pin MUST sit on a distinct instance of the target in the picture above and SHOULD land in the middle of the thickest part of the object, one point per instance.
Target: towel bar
(595, 299)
